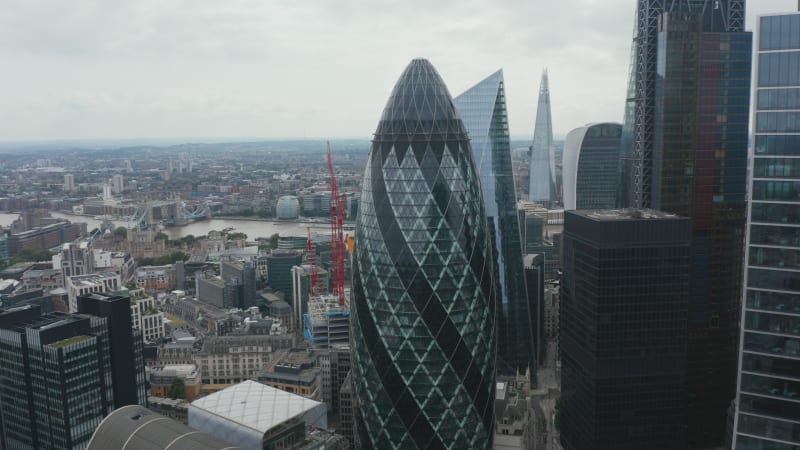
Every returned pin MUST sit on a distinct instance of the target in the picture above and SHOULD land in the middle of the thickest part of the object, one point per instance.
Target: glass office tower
(624, 296)
(483, 110)
(768, 403)
(702, 103)
(423, 298)
(591, 166)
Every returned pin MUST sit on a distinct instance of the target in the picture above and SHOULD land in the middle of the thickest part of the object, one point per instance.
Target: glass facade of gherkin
(483, 110)
(423, 301)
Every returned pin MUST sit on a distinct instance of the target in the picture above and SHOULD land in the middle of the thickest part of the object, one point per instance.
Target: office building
(256, 416)
(81, 285)
(232, 359)
(483, 110)
(534, 266)
(542, 173)
(162, 381)
(624, 300)
(127, 356)
(58, 378)
(591, 166)
(768, 401)
(301, 291)
(294, 370)
(45, 236)
(700, 172)
(423, 301)
(159, 278)
(146, 317)
(244, 272)
(685, 138)
(76, 258)
(279, 270)
(639, 130)
(347, 411)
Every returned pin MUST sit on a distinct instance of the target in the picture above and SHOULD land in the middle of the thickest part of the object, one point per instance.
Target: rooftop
(624, 214)
(255, 405)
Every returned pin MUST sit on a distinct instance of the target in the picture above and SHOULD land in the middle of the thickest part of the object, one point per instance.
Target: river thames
(252, 228)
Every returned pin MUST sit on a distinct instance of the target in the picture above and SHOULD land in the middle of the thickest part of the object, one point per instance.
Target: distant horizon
(168, 141)
(87, 70)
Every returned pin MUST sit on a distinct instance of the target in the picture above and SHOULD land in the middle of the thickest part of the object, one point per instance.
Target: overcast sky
(100, 69)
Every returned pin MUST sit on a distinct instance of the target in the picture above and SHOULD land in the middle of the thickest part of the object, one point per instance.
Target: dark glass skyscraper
(483, 110)
(61, 376)
(700, 171)
(717, 16)
(423, 300)
(768, 404)
(690, 108)
(624, 297)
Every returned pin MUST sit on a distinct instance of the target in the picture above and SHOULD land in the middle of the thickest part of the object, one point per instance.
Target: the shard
(483, 110)
(543, 169)
(423, 300)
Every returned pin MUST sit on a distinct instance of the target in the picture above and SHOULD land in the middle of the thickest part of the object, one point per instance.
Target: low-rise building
(159, 278)
(294, 370)
(163, 381)
(514, 416)
(232, 359)
(256, 416)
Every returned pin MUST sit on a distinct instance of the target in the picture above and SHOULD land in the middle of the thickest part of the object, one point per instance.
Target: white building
(86, 284)
(146, 317)
(249, 413)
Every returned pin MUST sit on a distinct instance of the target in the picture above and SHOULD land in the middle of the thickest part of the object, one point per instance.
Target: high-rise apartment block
(483, 110)
(423, 301)
(768, 401)
(624, 300)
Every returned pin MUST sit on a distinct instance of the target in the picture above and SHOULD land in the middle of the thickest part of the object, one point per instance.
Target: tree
(121, 232)
(237, 235)
(162, 236)
(178, 389)
(32, 255)
(273, 240)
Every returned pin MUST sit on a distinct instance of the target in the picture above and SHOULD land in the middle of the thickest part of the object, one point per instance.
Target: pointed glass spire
(542, 171)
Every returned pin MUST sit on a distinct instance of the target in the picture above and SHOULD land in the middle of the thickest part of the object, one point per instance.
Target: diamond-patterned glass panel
(422, 375)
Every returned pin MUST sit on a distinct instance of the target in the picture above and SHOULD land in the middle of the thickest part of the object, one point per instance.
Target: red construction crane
(338, 244)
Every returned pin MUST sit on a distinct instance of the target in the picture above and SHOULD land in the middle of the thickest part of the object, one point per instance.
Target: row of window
(778, 121)
(779, 69)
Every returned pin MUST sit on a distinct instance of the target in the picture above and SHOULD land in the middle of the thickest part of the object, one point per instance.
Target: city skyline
(247, 72)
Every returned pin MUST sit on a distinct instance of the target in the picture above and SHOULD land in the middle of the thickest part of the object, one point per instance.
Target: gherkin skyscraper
(423, 300)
